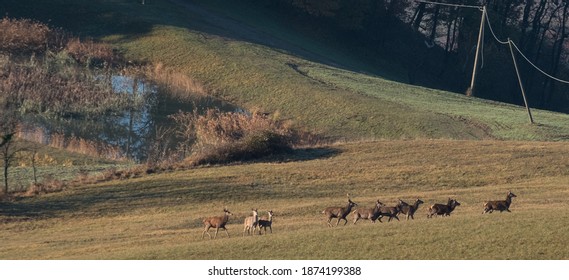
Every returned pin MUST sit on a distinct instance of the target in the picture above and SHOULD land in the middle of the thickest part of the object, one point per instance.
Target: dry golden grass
(159, 216)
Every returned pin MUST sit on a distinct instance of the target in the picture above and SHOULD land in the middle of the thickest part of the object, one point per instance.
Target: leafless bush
(49, 185)
(91, 53)
(23, 36)
(67, 93)
(221, 137)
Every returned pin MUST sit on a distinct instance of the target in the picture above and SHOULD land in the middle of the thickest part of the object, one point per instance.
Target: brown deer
(251, 222)
(409, 210)
(389, 211)
(217, 223)
(442, 209)
(499, 205)
(368, 213)
(339, 212)
(266, 222)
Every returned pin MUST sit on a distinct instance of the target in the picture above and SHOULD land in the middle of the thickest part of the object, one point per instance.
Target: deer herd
(253, 222)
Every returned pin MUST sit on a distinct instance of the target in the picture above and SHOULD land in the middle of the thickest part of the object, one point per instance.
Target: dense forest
(436, 44)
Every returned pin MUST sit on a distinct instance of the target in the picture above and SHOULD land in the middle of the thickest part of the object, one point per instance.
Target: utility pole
(470, 91)
(520, 81)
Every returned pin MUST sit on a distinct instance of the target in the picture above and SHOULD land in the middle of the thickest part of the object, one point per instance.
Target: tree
(8, 149)
(8, 153)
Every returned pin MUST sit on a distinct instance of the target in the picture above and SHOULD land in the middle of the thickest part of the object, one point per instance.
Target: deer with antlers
(339, 212)
(217, 223)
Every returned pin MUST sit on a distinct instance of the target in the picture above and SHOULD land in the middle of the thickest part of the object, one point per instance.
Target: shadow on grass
(129, 19)
(130, 195)
(303, 154)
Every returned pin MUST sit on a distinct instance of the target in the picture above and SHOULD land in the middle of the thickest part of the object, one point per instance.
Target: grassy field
(396, 141)
(159, 216)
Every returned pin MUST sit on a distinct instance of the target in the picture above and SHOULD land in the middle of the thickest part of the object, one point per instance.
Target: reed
(221, 137)
(71, 143)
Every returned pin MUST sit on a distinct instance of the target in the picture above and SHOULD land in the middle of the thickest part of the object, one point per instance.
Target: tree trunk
(557, 51)
(525, 23)
(6, 165)
(435, 23)
(418, 16)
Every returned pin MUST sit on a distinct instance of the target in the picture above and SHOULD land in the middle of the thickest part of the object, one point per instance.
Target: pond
(130, 134)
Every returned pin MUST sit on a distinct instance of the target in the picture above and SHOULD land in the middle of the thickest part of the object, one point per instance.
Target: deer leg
(215, 235)
(226, 232)
(206, 230)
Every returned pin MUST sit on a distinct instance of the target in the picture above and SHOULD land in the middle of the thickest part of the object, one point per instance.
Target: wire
(538, 69)
(449, 4)
(522, 54)
(494, 34)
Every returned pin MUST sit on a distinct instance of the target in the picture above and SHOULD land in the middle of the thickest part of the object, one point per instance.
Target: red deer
(389, 211)
(217, 223)
(339, 212)
(368, 213)
(409, 210)
(499, 205)
(266, 222)
(251, 223)
(442, 209)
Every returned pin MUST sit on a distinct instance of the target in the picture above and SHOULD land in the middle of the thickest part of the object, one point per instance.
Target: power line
(494, 34)
(538, 69)
(451, 5)
(509, 41)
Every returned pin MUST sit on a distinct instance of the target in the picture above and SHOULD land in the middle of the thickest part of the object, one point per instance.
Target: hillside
(392, 141)
(260, 64)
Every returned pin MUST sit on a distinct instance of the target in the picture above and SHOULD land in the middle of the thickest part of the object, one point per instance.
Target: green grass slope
(246, 56)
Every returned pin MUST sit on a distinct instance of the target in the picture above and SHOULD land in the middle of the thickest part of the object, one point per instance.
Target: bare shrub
(91, 53)
(222, 137)
(23, 36)
(49, 185)
(63, 93)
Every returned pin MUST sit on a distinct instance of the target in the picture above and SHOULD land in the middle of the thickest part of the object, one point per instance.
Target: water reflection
(134, 130)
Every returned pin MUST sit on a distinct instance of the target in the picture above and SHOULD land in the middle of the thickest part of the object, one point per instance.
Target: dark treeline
(435, 44)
